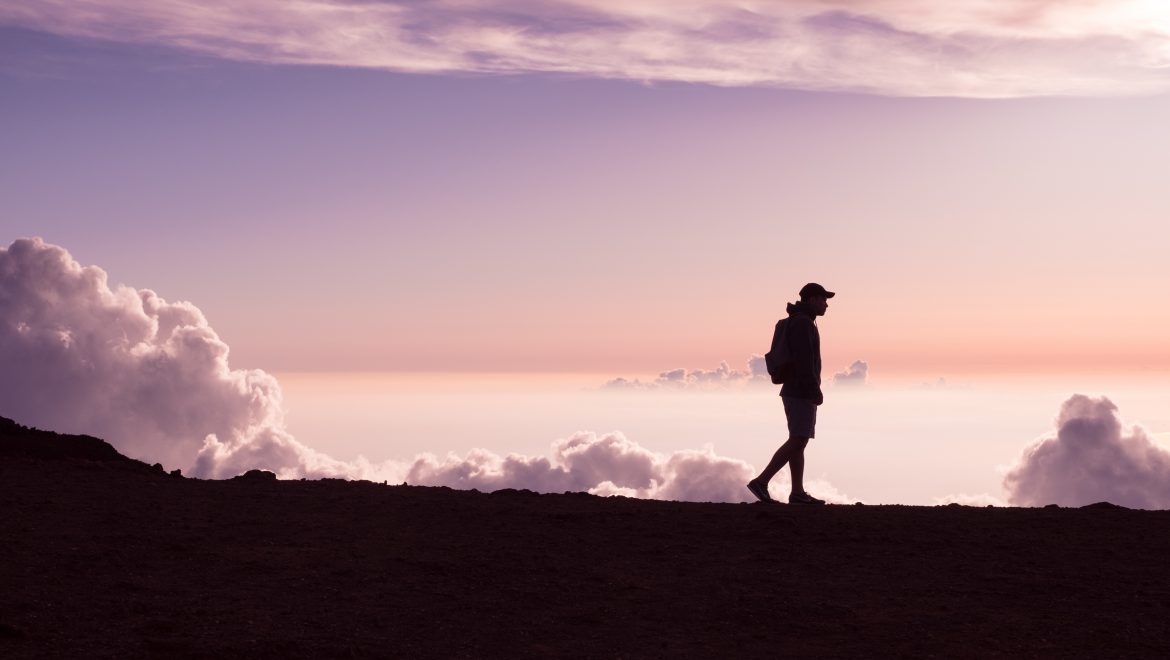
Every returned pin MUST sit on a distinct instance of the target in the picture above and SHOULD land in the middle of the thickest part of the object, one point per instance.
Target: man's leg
(785, 454)
(796, 466)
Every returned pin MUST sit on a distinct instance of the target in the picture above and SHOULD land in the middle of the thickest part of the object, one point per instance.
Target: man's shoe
(760, 491)
(804, 498)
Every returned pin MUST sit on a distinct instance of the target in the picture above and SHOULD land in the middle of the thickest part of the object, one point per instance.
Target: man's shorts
(802, 417)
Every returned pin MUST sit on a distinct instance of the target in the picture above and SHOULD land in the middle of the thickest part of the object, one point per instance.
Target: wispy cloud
(969, 48)
(699, 379)
(723, 376)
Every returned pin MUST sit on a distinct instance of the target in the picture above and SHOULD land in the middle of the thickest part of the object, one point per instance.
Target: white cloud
(854, 375)
(1091, 458)
(970, 48)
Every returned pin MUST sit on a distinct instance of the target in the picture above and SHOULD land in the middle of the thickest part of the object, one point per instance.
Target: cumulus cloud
(682, 379)
(854, 375)
(1091, 458)
(609, 464)
(152, 377)
(969, 48)
(605, 465)
(758, 368)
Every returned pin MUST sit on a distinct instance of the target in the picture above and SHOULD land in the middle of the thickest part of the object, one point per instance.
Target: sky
(608, 189)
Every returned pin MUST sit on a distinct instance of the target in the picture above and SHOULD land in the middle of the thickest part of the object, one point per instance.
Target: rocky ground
(107, 557)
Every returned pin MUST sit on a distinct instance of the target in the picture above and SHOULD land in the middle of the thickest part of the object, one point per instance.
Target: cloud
(854, 375)
(1091, 458)
(978, 499)
(152, 378)
(758, 368)
(609, 464)
(149, 376)
(967, 48)
(724, 376)
(683, 379)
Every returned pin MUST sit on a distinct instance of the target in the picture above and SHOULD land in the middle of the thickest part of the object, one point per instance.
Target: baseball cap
(814, 289)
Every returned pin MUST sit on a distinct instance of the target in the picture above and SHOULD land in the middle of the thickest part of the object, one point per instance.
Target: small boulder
(256, 475)
(1103, 505)
(513, 491)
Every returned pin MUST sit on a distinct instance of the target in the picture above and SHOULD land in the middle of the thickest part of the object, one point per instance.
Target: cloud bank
(964, 48)
(609, 464)
(1091, 458)
(152, 378)
(724, 377)
(682, 379)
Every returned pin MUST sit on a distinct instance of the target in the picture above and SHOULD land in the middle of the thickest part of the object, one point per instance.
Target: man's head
(816, 297)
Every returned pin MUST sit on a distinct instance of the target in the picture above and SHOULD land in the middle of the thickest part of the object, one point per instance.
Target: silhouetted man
(801, 392)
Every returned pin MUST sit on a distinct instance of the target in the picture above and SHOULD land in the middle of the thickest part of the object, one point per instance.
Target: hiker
(799, 342)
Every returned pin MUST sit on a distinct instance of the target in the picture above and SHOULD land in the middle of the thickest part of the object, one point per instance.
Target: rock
(255, 475)
(1103, 505)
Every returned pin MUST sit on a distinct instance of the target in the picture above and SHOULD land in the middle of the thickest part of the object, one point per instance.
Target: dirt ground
(106, 557)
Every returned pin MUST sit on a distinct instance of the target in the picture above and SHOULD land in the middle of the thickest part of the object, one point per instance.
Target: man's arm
(804, 372)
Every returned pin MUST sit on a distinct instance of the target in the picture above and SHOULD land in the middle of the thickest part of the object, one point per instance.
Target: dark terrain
(103, 556)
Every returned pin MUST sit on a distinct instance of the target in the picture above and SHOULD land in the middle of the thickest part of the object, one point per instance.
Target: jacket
(803, 380)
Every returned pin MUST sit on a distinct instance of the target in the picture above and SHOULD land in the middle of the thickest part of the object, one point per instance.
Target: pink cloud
(149, 376)
(967, 499)
(722, 376)
(1091, 458)
(855, 374)
(608, 464)
(972, 48)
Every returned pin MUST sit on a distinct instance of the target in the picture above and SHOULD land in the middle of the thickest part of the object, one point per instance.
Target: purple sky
(338, 218)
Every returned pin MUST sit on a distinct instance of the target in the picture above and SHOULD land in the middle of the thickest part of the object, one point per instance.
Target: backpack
(779, 358)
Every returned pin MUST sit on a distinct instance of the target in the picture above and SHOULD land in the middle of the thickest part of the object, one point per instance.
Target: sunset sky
(548, 217)
(610, 188)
